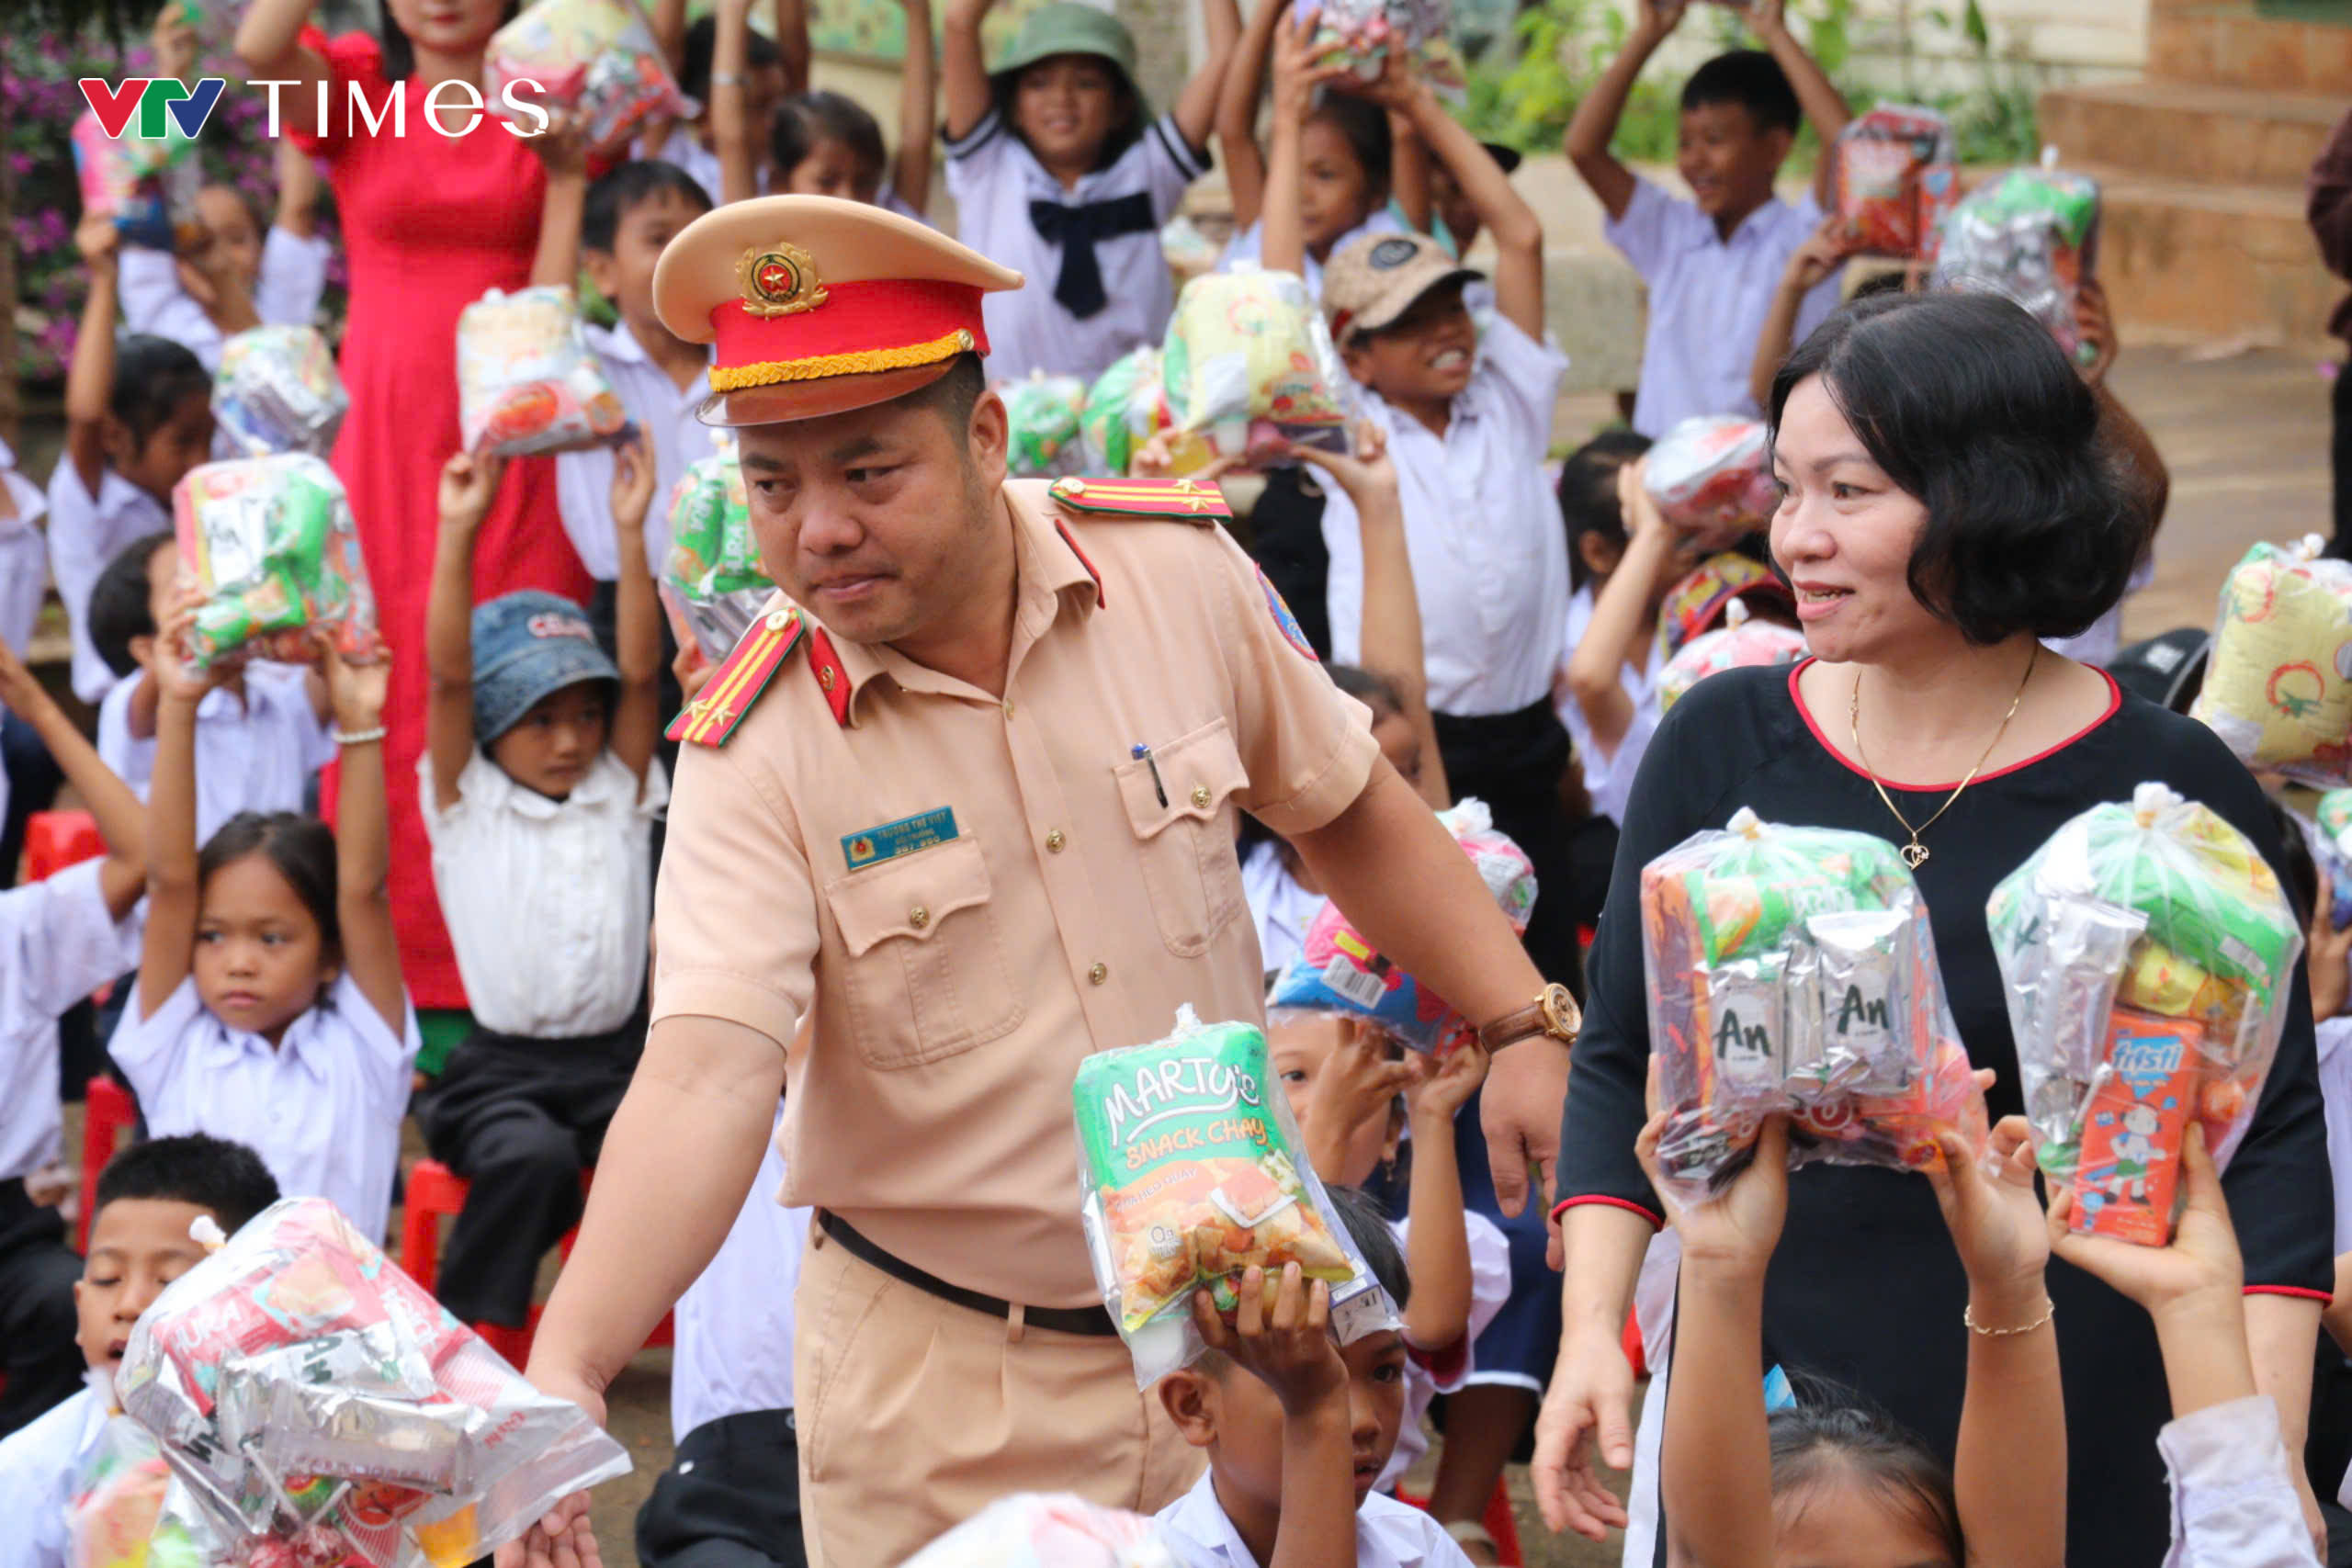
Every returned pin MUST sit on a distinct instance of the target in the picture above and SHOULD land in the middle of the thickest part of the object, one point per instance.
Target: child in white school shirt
(269, 1007)
(1059, 171)
(821, 142)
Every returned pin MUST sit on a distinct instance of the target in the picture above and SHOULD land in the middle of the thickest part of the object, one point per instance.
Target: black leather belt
(1092, 1320)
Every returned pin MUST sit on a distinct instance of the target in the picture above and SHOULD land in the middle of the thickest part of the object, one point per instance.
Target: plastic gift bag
(597, 58)
(148, 184)
(2147, 951)
(1737, 643)
(2279, 683)
(2030, 235)
(1338, 971)
(116, 1498)
(527, 382)
(1249, 365)
(713, 578)
(1187, 251)
(1895, 178)
(1044, 413)
(1191, 1170)
(1714, 470)
(1365, 31)
(1126, 407)
(1791, 970)
(271, 543)
(1047, 1529)
(307, 1392)
(2332, 846)
(276, 390)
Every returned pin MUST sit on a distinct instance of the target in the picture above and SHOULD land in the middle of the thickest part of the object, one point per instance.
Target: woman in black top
(1947, 503)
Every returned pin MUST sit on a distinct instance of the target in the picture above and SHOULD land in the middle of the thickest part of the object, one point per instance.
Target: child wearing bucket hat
(1059, 171)
(540, 788)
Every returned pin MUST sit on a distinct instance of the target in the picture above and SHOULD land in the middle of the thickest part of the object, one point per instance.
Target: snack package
(1187, 251)
(308, 1394)
(1791, 969)
(116, 1498)
(1047, 1529)
(525, 380)
(1895, 178)
(2133, 1123)
(1191, 1170)
(1714, 470)
(1044, 413)
(1338, 971)
(148, 184)
(1249, 365)
(1738, 642)
(713, 578)
(1124, 408)
(276, 390)
(2332, 846)
(271, 543)
(2030, 235)
(2148, 954)
(597, 58)
(2279, 682)
(1364, 32)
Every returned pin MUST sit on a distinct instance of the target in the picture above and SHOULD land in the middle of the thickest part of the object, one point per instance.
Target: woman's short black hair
(122, 607)
(400, 54)
(1968, 404)
(805, 120)
(615, 192)
(301, 848)
(1831, 1431)
(1588, 495)
(152, 377)
(1364, 124)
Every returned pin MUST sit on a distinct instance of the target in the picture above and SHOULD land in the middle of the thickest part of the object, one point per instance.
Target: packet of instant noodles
(271, 543)
(308, 1395)
(527, 382)
(1714, 470)
(116, 1498)
(2148, 953)
(597, 58)
(1191, 1170)
(1895, 178)
(2279, 683)
(1047, 1529)
(276, 390)
(1249, 365)
(2032, 235)
(1044, 413)
(148, 184)
(713, 575)
(1126, 407)
(1737, 643)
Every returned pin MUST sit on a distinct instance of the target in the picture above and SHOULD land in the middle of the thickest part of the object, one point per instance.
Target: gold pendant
(1914, 854)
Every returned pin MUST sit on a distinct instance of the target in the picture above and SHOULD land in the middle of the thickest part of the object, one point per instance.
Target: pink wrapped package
(1038, 1530)
(597, 58)
(1714, 470)
(1738, 642)
(525, 380)
(147, 184)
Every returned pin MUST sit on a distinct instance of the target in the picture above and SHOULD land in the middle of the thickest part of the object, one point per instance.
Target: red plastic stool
(107, 1114)
(55, 839)
(1501, 1522)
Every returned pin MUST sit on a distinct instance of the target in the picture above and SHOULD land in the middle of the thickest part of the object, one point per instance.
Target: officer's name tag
(903, 837)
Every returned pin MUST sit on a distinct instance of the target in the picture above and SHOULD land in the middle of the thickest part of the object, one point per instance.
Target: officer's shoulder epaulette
(741, 677)
(1192, 500)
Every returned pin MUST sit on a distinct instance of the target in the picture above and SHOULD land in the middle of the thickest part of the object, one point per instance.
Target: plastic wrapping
(148, 184)
(271, 543)
(1187, 251)
(1714, 470)
(276, 390)
(308, 1394)
(1737, 643)
(713, 578)
(1896, 179)
(1192, 1169)
(527, 382)
(597, 58)
(2030, 235)
(1044, 413)
(1365, 31)
(1126, 407)
(2148, 954)
(2279, 683)
(1338, 971)
(1048, 1530)
(116, 1498)
(1792, 970)
(1249, 365)
(2332, 846)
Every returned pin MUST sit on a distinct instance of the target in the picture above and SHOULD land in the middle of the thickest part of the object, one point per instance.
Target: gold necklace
(1914, 854)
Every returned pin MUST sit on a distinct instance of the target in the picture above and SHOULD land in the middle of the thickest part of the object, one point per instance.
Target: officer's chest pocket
(1179, 802)
(926, 977)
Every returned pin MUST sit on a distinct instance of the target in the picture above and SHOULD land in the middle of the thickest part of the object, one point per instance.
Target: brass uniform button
(1054, 842)
(917, 916)
(1008, 707)
(1200, 794)
(1099, 974)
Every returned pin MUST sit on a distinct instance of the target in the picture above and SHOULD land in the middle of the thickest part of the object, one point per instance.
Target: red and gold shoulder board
(738, 682)
(1191, 499)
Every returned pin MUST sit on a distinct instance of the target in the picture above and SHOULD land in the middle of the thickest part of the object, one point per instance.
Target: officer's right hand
(562, 1537)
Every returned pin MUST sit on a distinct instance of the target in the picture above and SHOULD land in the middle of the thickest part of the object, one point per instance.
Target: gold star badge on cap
(778, 279)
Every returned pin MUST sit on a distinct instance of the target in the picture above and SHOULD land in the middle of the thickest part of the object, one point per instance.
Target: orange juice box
(2133, 1124)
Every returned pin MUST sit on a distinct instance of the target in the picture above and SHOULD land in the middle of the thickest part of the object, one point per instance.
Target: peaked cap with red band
(818, 306)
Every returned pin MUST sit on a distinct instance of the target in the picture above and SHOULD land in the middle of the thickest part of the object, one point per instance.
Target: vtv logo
(165, 107)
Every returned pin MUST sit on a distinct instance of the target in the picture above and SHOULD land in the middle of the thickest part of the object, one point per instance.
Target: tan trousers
(914, 1414)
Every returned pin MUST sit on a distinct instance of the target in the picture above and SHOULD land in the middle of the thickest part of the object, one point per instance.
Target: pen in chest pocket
(1142, 753)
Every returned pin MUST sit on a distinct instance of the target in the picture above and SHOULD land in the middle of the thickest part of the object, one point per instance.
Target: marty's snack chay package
(1895, 178)
(1714, 470)
(1249, 365)
(1044, 413)
(596, 58)
(2278, 684)
(1737, 644)
(1047, 1529)
(713, 581)
(1792, 970)
(1191, 1170)
(2030, 235)
(276, 390)
(527, 382)
(2147, 951)
(271, 543)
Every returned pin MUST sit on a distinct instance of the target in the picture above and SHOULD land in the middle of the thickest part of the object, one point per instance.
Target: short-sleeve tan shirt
(951, 991)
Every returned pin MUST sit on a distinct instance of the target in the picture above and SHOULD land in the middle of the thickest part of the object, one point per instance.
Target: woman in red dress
(435, 212)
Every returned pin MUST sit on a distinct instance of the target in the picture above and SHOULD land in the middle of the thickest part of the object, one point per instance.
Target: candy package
(1895, 178)
(1791, 969)
(1338, 971)
(306, 1393)
(271, 543)
(597, 58)
(1364, 32)
(2030, 235)
(1047, 1529)
(2147, 951)
(1191, 1170)
(148, 184)
(1044, 413)
(2279, 683)
(1249, 365)
(1737, 643)
(1124, 408)
(276, 390)
(2332, 848)
(1714, 470)
(525, 380)
(713, 575)
(116, 1498)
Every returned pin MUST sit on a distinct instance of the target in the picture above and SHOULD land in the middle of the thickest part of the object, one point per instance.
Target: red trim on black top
(2114, 702)
(2302, 1292)
(1657, 1222)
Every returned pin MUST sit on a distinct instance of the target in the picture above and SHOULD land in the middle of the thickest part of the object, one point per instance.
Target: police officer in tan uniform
(958, 811)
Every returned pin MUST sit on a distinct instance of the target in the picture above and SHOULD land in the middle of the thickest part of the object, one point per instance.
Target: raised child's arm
(917, 110)
(363, 849)
(731, 130)
(1437, 1243)
(636, 619)
(563, 148)
(1196, 105)
(469, 484)
(963, 61)
(123, 820)
(89, 381)
(169, 947)
(1236, 114)
(1517, 233)
(791, 19)
(1595, 674)
(269, 41)
(1595, 122)
(1824, 107)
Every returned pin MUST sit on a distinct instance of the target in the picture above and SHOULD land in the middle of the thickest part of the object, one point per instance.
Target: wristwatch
(1554, 1012)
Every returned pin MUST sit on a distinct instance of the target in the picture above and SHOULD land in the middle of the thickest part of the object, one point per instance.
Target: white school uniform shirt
(257, 754)
(286, 292)
(58, 944)
(548, 902)
(1278, 904)
(2233, 1501)
(1245, 250)
(24, 557)
(1448, 1370)
(993, 178)
(665, 411)
(1610, 780)
(1490, 560)
(1389, 1534)
(39, 1464)
(681, 149)
(1709, 297)
(734, 1324)
(322, 1110)
(85, 532)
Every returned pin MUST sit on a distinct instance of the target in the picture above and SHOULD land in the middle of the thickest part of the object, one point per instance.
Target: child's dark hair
(1830, 1431)
(1126, 113)
(806, 119)
(400, 54)
(120, 610)
(1364, 124)
(1753, 80)
(152, 377)
(1377, 693)
(248, 201)
(1367, 1226)
(301, 848)
(1588, 495)
(702, 43)
(616, 191)
(226, 1180)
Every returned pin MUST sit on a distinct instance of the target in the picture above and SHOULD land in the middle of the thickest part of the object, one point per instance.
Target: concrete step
(2225, 43)
(2192, 130)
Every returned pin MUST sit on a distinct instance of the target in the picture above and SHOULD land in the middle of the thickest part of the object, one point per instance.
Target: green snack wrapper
(271, 542)
(714, 571)
(1044, 413)
(1124, 409)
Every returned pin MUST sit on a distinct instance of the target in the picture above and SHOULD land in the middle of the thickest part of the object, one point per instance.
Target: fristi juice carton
(2133, 1123)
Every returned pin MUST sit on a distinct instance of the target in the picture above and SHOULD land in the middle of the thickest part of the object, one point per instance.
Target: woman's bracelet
(1968, 1317)
(360, 736)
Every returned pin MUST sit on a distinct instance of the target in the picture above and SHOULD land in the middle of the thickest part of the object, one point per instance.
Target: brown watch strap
(1554, 1012)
